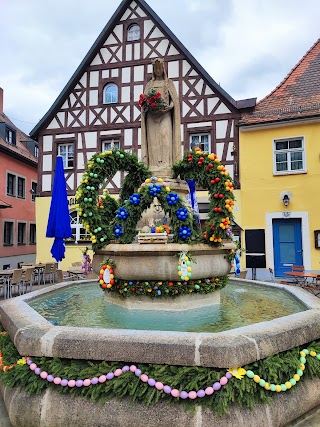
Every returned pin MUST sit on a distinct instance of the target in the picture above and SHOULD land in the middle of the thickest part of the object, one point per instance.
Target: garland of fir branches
(98, 211)
(247, 392)
(206, 170)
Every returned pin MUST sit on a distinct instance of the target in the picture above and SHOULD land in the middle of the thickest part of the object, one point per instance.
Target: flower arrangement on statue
(86, 265)
(153, 101)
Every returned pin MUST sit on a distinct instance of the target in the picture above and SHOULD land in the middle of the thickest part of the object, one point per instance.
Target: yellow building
(280, 173)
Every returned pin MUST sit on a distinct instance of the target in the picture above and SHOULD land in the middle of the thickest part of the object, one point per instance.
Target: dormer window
(133, 33)
(10, 136)
(110, 94)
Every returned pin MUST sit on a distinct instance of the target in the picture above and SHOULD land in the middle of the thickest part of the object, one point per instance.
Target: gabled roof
(242, 104)
(296, 97)
(19, 151)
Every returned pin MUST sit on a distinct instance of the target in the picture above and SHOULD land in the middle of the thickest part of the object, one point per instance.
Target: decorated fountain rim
(106, 220)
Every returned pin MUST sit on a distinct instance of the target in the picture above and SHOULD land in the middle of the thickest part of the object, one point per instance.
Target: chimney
(1, 100)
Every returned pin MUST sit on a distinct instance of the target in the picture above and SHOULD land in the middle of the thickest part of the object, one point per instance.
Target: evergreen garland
(245, 392)
(165, 288)
(207, 171)
(97, 212)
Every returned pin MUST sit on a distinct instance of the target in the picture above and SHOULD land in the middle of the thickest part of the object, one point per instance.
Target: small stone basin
(156, 261)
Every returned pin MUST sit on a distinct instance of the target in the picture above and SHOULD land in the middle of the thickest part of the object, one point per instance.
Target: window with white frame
(289, 156)
(201, 140)
(110, 144)
(78, 232)
(66, 151)
(110, 94)
(133, 33)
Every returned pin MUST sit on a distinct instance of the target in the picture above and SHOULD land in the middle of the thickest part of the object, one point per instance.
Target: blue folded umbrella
(59, 220)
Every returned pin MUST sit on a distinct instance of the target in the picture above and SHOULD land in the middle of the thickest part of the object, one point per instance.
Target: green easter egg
(85, 215)
(91, 174)
(99, 228)
(102, 161)
(102, 239)
(250, 374)
(283, 387)
(92, 188)
(262, 383)
(85, 199)
(179, 267)
(272, 387)
(196, 286)
(95, 175)
(303, 360)
(306, 351)
(189, 274)
(293, 381)
(121, 156)
(90, 213)
(318, 356)
(90, 199)
(188, 262)
(97, 160)
(300, 372)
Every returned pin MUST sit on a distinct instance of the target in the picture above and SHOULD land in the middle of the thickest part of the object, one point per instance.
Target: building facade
(279, 203)
(99, 109)
(18, 176)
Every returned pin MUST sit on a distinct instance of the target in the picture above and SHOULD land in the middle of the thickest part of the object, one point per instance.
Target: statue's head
(158, 67)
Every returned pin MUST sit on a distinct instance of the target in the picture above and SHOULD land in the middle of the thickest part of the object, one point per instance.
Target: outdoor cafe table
(76, 273)
(301, 277)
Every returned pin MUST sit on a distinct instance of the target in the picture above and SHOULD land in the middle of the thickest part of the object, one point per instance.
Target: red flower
(158, 95)
(142, 97)
(153, 105)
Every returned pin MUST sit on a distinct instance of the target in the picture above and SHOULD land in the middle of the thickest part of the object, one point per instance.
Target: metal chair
(27, 279)
(47, 273)
(15, 280)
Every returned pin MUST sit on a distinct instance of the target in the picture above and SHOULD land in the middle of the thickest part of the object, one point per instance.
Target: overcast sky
(247, 46)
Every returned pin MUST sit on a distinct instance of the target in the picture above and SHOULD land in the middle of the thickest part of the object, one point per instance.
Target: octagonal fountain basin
(237, 344)
(241, 305)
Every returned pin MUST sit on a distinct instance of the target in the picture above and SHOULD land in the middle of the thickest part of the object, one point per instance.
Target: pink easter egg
(144, 378)
(209, 391)
(102, 379)
(159, 386)
(192, 394)
(133, 368)
(118, 372)
(175, 392)
(86, 382)
(57, 380)
(44, 375)
(33, 366)
(223, 380)
(71, 383)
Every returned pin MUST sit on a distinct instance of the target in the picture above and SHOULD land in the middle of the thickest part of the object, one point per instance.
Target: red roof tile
(297, 96)
(19, 147)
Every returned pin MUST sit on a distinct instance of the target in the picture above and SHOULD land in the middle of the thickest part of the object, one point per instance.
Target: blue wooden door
(287, 245)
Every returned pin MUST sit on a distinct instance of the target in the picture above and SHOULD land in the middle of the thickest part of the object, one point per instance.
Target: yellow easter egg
(101, 271)
(160, 180)
(186, 278)
(256, 379)
(168, 189)
(288, 384)
(101, 282)
(180, 273)
(296, 377)
(147, 180)
(189, 268)
(111, 276)
(313, 353)
(109, 285)
(278, 388)
(267, 386)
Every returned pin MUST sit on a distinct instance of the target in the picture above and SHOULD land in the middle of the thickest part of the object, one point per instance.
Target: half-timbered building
(98, 107)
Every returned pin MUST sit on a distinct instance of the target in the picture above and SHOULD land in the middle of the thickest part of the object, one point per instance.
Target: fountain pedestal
(158, 261)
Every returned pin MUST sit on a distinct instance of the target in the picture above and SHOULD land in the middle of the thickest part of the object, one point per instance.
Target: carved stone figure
(160, 130)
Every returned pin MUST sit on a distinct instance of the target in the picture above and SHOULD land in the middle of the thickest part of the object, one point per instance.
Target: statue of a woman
(160, 130)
